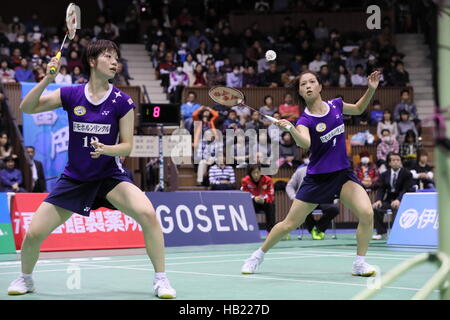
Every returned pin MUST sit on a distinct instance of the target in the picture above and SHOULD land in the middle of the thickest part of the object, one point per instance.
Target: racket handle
(273, 120)
(53, 69)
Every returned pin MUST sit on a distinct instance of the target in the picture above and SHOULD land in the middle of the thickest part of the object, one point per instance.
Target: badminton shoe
(317, 235)
(379, 236)
(363, 269)
(21, 285)
(251, 264)
(163, 289)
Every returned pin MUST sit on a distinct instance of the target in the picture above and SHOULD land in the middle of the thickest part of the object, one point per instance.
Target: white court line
(271, 278)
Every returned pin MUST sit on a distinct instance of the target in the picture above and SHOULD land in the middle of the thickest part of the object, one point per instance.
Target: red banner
(103, 229)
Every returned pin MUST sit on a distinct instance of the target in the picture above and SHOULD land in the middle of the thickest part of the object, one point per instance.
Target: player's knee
(34, 236)
(288, 226)
(366, 216)
(147, 215)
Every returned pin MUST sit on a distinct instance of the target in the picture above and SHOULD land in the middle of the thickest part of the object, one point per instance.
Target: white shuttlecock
(270, 55)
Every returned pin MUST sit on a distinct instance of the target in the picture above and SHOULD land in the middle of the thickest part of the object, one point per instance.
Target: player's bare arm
(359, 107)
(124, 147)
(34, 102)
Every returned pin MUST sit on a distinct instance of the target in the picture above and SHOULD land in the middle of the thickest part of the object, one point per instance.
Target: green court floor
(292, 270)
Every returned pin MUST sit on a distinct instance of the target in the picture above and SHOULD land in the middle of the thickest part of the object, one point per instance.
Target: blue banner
(417, 220)
(48, 132)
(208, 217)
(7, 244)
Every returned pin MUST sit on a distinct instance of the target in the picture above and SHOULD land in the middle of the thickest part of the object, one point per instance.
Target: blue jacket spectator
(188, 108)
(23, 73)
(10, 177)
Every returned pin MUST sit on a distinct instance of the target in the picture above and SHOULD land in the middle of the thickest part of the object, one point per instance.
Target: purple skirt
(325, 187)
(81, 197)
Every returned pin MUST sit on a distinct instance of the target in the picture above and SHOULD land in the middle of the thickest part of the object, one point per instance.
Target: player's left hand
(99, 149)
(374, 79)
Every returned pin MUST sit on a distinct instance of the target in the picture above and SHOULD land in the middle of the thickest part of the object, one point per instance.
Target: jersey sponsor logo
(336, 131)
(92, 128)
(79, 111)
(130, 101)
(321, 127)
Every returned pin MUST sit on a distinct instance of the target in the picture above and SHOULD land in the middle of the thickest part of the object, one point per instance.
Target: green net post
(442, 156)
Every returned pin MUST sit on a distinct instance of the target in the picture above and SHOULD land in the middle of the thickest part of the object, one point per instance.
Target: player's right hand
(284, 125)
(55, 62)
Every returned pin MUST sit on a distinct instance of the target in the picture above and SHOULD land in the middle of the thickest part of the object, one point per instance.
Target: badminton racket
(231, 97)
(73, 22)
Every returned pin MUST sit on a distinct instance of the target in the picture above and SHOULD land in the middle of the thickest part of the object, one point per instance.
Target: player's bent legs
(356, 199)
(129, 199)
(46, 219)
(296, 216)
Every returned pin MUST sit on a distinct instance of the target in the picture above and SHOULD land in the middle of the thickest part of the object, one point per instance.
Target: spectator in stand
(268, 108)
(62, 77)
(321, 31)
(188, 108)
(354, 60)
(189, 64)
(7, 74)
(250, 78)
(407, 105)
(422, 172)
(109, 32)
(234, 79)
(77, 76)
(6, 149)
(376, 115)
(306, 51)
(325, 76)
(394, 183)
(359, 78)
(387, 123)
(387, 145)
(222, 177)
(255, 122)
(199, 76)
(202, 53)
(262, 193)
(366, 171)
(342, 78)
(217, 55)
(254, 53)
(178, 81)
(40, 74)
(316, 63)
(24, 73)
(289, 152)
(214, 77)
(288, 110)
(37, 172)
(16, 58)
(206, 117)
(185, 19)
(120, 78)
(409, 149)
(10, 177)
(165, 68)
(404, 125)
(227, 40)
(296, 64)
(271, 78)
(73, 61)
(400, 77)
(226, 67)
(287, 78)
(335, 62)
(195, 39)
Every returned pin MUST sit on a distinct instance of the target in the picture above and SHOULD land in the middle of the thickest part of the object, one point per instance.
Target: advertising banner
(417, 220)
(187, 218)
(6, 234)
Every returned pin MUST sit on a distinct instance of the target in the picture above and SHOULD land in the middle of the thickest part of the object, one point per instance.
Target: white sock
(360, 259)
(160, 275)
(259, 253)
(26, 276)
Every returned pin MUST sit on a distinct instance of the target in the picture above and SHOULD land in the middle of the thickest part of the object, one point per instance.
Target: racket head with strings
(73, 20)
(226, 96)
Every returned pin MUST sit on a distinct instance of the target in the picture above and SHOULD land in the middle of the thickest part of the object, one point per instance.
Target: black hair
(266, 97)
(30, 147)
(252, 167)
(404, 112)
(410, 133)
(192, 92)
(94, 49)
(404, 90)
(375, 102)
(294, 87)
(390, 154)
(389, 131)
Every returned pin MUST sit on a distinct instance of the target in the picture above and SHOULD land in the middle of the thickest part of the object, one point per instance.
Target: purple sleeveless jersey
(90, 122)
(328, 151)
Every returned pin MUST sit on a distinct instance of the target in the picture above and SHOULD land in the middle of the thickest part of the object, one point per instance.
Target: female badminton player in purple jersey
(321, 129)
(101, 124)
